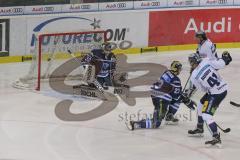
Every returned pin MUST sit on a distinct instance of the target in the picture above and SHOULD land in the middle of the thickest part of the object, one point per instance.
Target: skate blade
(129, 127)
(198, 135)
(171, 123)
(219, 146)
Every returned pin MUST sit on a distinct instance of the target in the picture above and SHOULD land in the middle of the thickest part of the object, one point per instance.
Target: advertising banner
(84, 7)
(236, 2)
(11, 10)
(119, 28)
(4, 37)
(182, 3)
(178, 27)
(116, 6)
(150, 4)
(216, 2)
(43, 9)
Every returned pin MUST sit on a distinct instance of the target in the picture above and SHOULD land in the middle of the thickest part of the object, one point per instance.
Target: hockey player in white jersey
(206, 78)
(206, 49)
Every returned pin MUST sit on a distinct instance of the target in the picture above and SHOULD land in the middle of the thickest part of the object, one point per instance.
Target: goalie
(99, 67)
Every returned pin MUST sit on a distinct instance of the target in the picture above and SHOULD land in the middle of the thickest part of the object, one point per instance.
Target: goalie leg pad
(88, 73)
(87, 91)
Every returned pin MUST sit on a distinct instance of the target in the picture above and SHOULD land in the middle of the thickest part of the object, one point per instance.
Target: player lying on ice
(166, 96)
(204, 76)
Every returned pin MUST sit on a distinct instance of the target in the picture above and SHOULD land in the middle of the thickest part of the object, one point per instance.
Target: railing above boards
(65, 6)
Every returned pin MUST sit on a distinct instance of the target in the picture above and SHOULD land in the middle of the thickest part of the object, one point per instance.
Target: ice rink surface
(30, 130)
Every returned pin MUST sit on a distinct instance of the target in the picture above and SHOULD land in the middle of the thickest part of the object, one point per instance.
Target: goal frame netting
(39, 54)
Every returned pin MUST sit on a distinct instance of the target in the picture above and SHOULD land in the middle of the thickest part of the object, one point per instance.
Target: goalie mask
(176, 67)
(107, 47)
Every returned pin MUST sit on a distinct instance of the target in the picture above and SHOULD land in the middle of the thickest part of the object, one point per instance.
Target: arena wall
(147, 30)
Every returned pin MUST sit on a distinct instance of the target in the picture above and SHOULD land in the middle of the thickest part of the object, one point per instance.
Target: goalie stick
(234, 104)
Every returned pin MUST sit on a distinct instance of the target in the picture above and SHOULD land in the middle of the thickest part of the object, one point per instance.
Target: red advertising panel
(178, 27)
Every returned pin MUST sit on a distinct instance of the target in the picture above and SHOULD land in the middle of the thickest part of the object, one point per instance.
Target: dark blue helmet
(201, 34)
(194, 58)
(106, 46)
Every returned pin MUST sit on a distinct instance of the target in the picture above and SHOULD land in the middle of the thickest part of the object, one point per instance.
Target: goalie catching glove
(188, 102)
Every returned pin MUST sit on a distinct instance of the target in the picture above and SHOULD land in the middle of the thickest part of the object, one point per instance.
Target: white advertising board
(150, 4)
(11, 10)
(216, 2)
(116, 6)
(80, 7)
(236, 2)
(182, 3)
(43, 9)
(119, 27)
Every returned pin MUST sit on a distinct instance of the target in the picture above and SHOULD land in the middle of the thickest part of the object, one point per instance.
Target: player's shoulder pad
(167, 76)
(209, 43)
(97, 51)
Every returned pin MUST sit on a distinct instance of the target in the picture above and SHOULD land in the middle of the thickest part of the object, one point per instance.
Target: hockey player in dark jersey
(104, 62)
(108, 66)
(166, 96)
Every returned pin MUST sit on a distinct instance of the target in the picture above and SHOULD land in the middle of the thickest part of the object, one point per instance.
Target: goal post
(50, 50)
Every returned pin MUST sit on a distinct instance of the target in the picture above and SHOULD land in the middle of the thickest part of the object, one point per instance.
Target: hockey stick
(186, 83)
(224, 130)
(234, 104)
(73, 56)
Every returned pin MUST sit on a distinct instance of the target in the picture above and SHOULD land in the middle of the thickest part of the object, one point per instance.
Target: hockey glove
(123, 77)
(226, 57)
(188, 102)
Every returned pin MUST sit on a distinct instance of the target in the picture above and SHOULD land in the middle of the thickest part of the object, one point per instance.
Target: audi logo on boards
(121, 5)
(85, 6)
(48, 9)
(222, 1)
(17, 10)
(155, 4)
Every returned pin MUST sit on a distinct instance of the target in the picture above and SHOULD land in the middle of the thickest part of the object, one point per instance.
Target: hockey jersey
(167, 87)
(105, 63)
(207, 50)
(206, 77)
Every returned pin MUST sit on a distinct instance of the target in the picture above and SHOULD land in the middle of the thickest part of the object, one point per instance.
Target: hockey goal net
(51, 50)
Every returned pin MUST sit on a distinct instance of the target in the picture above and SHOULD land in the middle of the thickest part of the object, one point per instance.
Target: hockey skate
(170, 120)
(132, 125)
(216, 141)
(198, 132)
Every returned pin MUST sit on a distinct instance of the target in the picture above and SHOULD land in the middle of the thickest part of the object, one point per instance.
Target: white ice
(30, 130)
